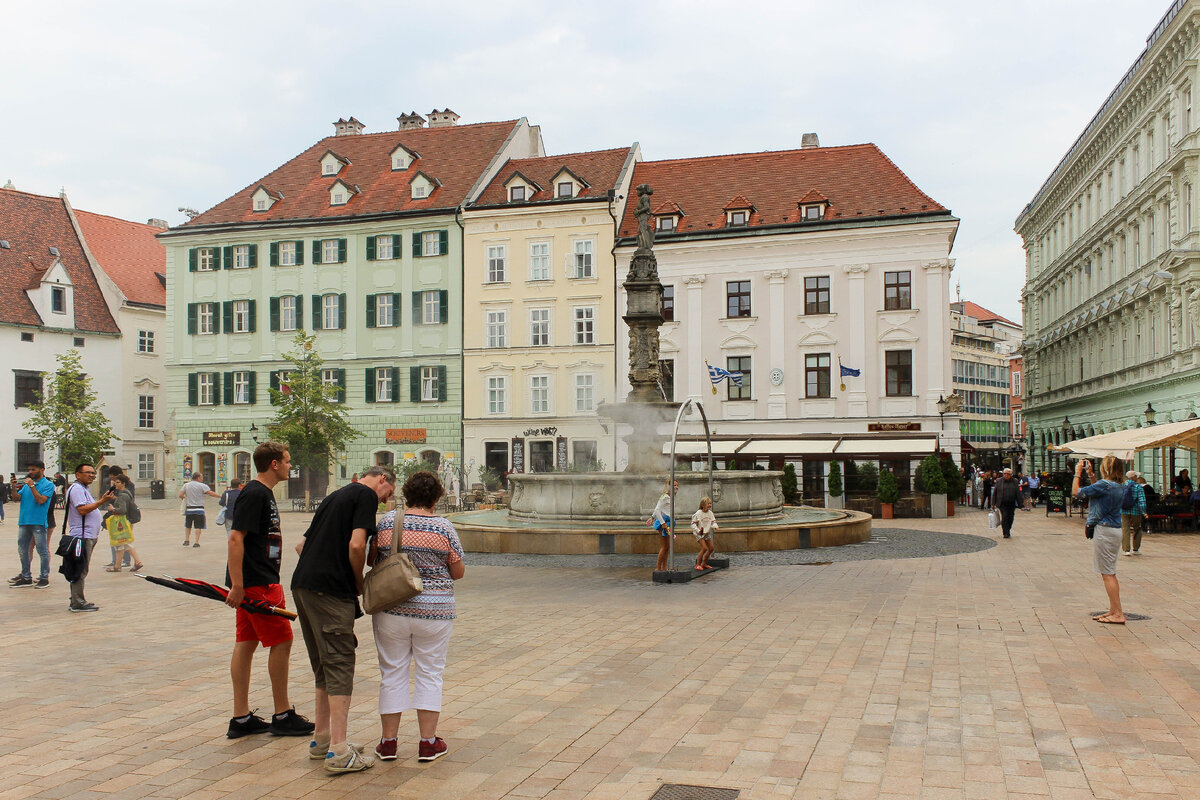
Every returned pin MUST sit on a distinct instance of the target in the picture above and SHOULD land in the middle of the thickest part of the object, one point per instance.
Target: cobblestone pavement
(972, 675)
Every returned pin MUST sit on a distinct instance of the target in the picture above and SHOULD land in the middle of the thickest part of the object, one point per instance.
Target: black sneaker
(289, 723)
(20, 583)
(255, 724)
(42, 583)
(85, 607)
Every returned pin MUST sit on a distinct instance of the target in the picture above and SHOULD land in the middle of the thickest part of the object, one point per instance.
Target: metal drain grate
(679, 791)
(1128, 615)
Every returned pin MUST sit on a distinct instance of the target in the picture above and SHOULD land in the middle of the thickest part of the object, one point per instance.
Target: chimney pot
(155, 222)
(809, 141)
(348, 127)
(410, 121)
(442, 119)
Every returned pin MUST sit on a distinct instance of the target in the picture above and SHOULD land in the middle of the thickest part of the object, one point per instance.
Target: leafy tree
(308, 416)
(868, 476)
(788, 483)
(930, 475)
(835, 479)
(889, 489)
(65, 417)
(955, 483)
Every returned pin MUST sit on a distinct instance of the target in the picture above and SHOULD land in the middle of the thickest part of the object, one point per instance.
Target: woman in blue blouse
(1104, 512)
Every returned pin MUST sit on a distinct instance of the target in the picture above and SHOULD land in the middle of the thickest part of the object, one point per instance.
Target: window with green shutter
(370, 250)
(227, 257)
(193, 394)
(192, 319)
(253, 376)
(316, 251)
(299, 252)
(316, 312)
(370, 384)
(341, 251)
(192, 260)
(274, 313)
(414, 384)
(395, 384)
(370, 306)
(227, 382)
(441, 387)
(416, 240)
(227, 316)
(341, 311)
(274, 256)
(443, 307)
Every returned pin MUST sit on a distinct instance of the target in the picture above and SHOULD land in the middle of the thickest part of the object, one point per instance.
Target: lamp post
(1067, 430)
(1150, 414)
(943, 405)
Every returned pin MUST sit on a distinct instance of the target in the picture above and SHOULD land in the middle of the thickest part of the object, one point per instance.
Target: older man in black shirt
(1005, 495)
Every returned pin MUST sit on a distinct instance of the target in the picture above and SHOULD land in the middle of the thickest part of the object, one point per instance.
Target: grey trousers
(77, 598)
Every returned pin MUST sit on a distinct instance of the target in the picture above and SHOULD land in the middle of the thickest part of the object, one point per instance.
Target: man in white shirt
(193, 493)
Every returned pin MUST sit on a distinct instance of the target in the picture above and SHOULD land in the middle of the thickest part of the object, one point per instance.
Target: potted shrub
(955, 483)
(935, 483)
(788, 483)
(833, 492)
(888, 493)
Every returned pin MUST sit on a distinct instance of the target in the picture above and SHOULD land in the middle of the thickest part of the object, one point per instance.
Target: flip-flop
(1108, 621)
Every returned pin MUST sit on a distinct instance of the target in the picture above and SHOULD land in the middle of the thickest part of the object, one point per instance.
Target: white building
(780, 265)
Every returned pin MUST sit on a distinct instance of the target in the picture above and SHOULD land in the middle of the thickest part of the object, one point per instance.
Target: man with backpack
(35, 495)
(1133, 515)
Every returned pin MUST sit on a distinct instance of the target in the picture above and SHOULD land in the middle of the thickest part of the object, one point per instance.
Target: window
(566, 189)
(384, 304)
(338, 199)
(385, 458)
(585, 392)
(666, 224)
(241, 388)
(668, 304)
(146, 467)
(539, 394)
(332, 377)
(539, 327)
(26, 336)
(206, 318)
(817, 379)
(206, 259)
(1186, 121)
(288, 314)
(496, 326)
(737, 217)
(329, 251)
(260, 205)
(496, 272)
(897, 290)
(241, 256)
(539, 261)
(583, 452)
(816, 295)
(419, 190)
(497, 395)
(383, 248)
(241, 316)
(330, 318)
(145, 411)
(429, 384)
(899, 373)
(583, 259)
(28, 452)
(383, 385)
(145, 342)
(431, 243)
(738, 364)
(738, 295)
(431, 307)
(812, 212)
(1016, 384)
(27, 389)
(205, 389)
(516, 194)
(58, 299)
(585, 325)
(287, 253)
(666, 368)
(541, 456)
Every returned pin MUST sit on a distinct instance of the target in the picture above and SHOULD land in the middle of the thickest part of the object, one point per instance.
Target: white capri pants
(400, 641)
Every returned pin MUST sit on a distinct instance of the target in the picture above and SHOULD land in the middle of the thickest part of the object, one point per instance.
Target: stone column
(855, 353)
(777, 344)
(694, 344)
(936, 344)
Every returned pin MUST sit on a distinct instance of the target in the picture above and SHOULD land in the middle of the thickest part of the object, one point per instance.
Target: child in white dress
(704, 523)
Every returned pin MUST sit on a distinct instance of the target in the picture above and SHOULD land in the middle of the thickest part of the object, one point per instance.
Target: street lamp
(254, 432)
(1150, 414)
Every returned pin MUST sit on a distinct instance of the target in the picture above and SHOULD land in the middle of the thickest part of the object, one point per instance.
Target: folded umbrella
(214, 592)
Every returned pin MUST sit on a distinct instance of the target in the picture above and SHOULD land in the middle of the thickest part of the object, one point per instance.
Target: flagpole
(841, 377)
(706, 370)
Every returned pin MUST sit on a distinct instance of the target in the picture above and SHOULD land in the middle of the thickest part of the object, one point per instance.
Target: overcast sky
(137, 109)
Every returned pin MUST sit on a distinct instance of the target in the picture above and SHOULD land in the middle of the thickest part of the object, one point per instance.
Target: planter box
(937, 506)
(835, 502)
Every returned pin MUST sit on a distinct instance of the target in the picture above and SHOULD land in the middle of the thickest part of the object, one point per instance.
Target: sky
(138, 109)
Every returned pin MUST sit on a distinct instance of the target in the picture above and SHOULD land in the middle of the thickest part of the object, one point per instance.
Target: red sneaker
(429, 752)
(386, 749)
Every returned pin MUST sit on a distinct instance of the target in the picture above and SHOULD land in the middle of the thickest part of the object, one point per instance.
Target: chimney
(442, 119)
(9, 185)
(155, 222)
(348, 127)
(809, 141)
(410, 121)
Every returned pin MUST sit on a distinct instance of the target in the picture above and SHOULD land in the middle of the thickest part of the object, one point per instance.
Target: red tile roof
(456, 155)
(600, 169)
(739, 203)
(859, 181)
(32, 224)
(129, 254)
(981, 314)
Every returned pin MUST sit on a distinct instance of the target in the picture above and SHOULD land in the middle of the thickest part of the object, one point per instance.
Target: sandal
(112, 569)
(138, 567)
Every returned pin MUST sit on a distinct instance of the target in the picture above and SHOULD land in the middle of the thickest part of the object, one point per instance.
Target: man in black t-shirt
(325, 585)
(255, 553)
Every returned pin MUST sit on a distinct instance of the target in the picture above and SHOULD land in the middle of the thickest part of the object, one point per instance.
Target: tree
(851, 477)
(835, 479)
(65, 417)
(309, 416)
(930, 475)
(788, 483)
(868, 476)
(955, 483)
(889, 489)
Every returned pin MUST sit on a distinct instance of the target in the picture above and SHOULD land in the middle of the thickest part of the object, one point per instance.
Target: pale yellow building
(539, 312)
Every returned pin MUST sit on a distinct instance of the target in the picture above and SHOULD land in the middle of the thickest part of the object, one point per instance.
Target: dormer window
(419, 191)
(812, 206)
(666, 224)
(737, 217)
(738, 211)
(338, 199)
(340, 193)
(565, 189)
(330, 167)
(516, 194)
(332, 163)
(263, 199)
(812, 212)
(422, 186)
(402, 158)
(58, 299)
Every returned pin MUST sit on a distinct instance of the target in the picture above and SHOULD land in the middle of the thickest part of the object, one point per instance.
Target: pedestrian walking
(325, 585)
(987, 489)
(114, 473)
(704, 525)
(35, 496)
(1005, 494)
(1035, 484)
(120, 529)
(255, 552)
(193, 494)
(1104, 515)
(84, 520)
(1133, 519)
(228, 498)
(417, 632)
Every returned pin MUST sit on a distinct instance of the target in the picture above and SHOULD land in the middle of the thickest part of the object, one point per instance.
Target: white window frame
(329, 312)
(385, 310)
(241, 316)
(495, 326)
(497, 395)
(329, 251)
(287, 254)
(583, 258)
(383, 385)
(1016, 383)
(147, 467)
(539, 327)
(431, 243)
(419, 191)
(204, 389)
(513, 192)
(145, 412)
(585, 324)
(666, 223)
(241, 256)
(260, 205)
(206, 259)
(206, 317)
(539, 394)
(329, 377)
(738, 217)
(429, 384)
(539, 262)
(431, 307)
(145, 341)
(383, 248)
(497, 263)
(585, 392)
(564, 189)
(288, 318)
(241, 388)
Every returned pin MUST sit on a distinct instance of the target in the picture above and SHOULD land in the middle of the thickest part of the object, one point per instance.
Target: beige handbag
(391, 581)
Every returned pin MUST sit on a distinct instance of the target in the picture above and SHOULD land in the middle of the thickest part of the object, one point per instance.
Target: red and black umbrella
(214, 592)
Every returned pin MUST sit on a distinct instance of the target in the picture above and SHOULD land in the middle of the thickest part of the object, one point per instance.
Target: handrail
(671, 483)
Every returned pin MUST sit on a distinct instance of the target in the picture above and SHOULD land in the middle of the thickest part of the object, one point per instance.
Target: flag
(847, 371)
(716, 375)
(284, 389)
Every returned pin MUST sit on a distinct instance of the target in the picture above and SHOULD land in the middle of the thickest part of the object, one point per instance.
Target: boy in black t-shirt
(255, 553)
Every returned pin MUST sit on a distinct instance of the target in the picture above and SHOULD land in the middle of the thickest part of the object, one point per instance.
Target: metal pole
(671, 487)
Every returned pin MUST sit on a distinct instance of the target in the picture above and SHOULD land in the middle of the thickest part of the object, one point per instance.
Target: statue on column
(645, 235)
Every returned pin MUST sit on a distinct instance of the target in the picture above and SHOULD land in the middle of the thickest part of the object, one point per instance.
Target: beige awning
(796, 447)
(724, 447)
(866, 447)
(1123, 444)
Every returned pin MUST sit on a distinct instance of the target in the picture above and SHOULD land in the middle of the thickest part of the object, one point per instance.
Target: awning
(854, 447)
(965, 446)
(798, 447)
(1123, 444)
(723, 447)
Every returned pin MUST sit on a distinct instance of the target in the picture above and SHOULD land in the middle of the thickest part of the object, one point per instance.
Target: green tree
(868, 476)
(308, 414)
(955, 483)
(851, 477)
(889, 489)
(66, 418)
(930, 475)
(835, 479)
(788, 483)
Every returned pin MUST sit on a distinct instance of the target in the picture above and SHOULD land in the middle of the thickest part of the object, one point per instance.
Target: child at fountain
(704, 523)
(660, 518)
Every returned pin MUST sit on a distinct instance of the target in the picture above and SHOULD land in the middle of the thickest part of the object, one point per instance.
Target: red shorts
(268, 629)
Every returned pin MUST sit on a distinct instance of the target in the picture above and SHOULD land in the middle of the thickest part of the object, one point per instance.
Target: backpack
(134, 514)
(1129, 501)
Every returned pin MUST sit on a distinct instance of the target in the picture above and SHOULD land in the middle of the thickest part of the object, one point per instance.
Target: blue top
(1105, 505)
(1139, 500)
(33, 512)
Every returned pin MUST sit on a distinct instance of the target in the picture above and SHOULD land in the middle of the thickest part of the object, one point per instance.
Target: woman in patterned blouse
(417, 631)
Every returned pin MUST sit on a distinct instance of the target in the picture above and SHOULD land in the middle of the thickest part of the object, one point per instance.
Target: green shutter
(443, 242)
(414, 384)
(227, 257)
(342, 311)
(416, 308)
(300, 311)
(274, 313)
(395, 384)
(253, 316)
(216, 316)
(417, 245)
(397, 301)
(193, 319)
(253, 256)
(316, 251)
(341, 379)
(441, 386)
(193, 391)
(253, 387)
(370, 384)
(227, 316)
(316, 312)
(370, 308)
(443, 307)
(216, 376)
(274, 381)
(192, 260)
(274, 254)
(299, 253)
(370, 248)
(397, 243)
(341, 251)
(228, 381)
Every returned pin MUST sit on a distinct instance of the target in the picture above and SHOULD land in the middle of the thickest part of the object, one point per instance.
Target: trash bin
(158, 490)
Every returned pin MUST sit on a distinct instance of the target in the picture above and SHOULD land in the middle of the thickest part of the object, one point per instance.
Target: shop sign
(548, 431)
(883, 427)
(220, 438)
(405, 435)
(518, 455)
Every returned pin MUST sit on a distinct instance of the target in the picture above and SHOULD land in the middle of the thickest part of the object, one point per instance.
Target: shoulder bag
(392, 580)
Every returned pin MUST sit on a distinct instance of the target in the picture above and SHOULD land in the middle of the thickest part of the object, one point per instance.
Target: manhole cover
(679, 791)
(1128, 615)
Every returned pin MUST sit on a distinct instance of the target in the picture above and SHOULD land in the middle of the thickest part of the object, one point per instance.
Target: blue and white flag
(847, 371)
(716, 375)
